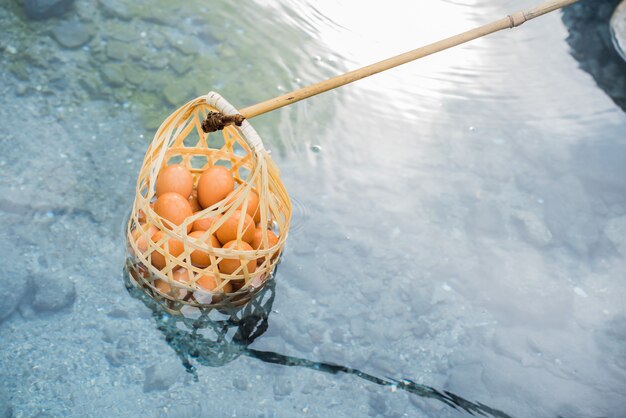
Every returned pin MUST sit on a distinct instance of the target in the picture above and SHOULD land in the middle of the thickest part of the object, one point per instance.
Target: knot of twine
(216, 121)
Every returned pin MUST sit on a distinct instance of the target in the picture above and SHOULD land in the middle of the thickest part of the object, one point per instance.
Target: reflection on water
(213, 339)
(592, 45)
(445, 397)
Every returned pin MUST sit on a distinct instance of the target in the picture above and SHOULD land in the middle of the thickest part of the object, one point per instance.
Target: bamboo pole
(508, 22)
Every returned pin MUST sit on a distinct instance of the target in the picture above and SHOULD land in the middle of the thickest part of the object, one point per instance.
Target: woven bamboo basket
(181, 140)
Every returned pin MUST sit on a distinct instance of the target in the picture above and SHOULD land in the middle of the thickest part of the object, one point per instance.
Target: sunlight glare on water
(355, 37)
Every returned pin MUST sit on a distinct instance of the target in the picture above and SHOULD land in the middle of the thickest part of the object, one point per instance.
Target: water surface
(458, 244)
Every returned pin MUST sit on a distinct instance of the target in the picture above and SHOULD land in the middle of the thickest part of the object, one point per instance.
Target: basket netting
(209, 337)
(181, 140)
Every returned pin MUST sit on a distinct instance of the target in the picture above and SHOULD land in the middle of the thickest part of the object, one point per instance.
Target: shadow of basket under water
(214, 338)
(208, 336)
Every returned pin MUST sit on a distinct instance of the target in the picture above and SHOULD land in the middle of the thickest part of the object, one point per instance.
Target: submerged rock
(117, 50)
(44, 9)
(177, 92)
(72, 34)
(612, 339)
(282, 388)
(6, 411)
(113, 74)
(162, 376)
(126, 33)
(91, 83)
(116, 8)
(134, 75)
(533, 228)
(615, 231)
(53, 293)
(569, 215)
(241, 383)
(181, 66)
(378, 404)
(19, 69)
(485, 219)
(122, 353)
(13, 286)
(187, 46)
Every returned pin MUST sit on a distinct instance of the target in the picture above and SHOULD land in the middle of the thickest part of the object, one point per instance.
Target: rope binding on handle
(216, 121)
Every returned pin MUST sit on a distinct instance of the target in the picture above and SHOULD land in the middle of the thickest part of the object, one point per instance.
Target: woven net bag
(181, 140)
(208, 337)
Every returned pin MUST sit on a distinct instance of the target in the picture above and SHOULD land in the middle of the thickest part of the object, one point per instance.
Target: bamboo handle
(508, 22)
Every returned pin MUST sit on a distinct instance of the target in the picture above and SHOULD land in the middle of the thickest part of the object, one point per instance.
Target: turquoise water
(459, 237)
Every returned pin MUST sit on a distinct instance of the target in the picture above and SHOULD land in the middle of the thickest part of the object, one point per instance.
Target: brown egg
(180, 275)
(203, 224)
(257, 243)
(214, 185)
(162, 285)
(228, 231)
(237, 284)
(138, 271)
(257, 240)
(176, 248)
(174, 208)
(258, 280)
(201, 258)
(208, 282)
(228, 266)
(174, 179)
(193, 201)
(141, 214)
(253, 205)
(139, 237)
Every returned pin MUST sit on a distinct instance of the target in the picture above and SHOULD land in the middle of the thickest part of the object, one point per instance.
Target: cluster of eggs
(176, 200)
